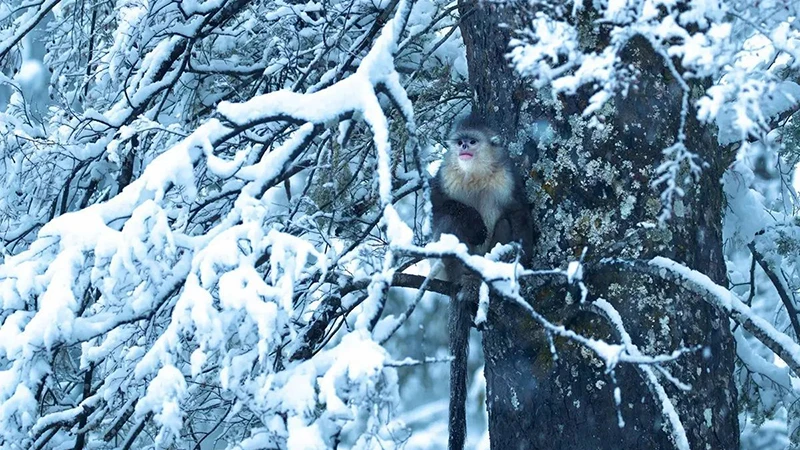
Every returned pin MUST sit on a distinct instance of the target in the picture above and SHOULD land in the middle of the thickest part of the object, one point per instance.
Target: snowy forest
(215, 224)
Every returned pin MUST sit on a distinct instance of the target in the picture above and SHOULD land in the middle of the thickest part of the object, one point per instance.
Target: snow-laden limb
(501, 279)
(786, 295)
(781, 344)
(413, 362)
(136, 283)
(739, 58)
(78, 154)
(757, 364)
(649, 375)
(387, 326)
(22, 24)
(65, 241)
(702, 36)
(754, 113)
(142, 256)
(769, 375)
(356, 93)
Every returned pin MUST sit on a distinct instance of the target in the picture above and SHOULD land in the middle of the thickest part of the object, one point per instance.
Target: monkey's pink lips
(465, 155)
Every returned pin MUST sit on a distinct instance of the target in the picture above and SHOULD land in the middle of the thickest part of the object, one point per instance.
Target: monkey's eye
(472, 142)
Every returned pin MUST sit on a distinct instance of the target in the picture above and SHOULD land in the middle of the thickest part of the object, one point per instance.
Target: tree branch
(779, 287)
(666, 269)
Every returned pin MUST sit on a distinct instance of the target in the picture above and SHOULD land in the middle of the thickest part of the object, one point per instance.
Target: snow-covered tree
(212, 213)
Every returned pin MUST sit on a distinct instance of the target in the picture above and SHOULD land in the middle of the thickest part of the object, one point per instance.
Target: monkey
(478, 196)
(478, 193)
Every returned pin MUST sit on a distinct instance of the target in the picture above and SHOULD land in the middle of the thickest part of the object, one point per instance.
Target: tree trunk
(592, 189)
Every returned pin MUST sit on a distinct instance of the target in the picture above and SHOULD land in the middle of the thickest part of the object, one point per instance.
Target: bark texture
(592, 188)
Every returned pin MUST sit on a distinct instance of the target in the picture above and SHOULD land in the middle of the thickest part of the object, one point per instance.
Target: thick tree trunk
(592, 188)
(497, 94)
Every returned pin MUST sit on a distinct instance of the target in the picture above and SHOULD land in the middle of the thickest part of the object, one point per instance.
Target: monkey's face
(471, 151)
(467, 146)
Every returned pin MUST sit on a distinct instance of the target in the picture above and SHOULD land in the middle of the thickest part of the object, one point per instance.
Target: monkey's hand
(515, 226)
(462, 221)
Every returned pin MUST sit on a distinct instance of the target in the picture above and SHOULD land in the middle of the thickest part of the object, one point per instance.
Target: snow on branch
(502, 279)
(747, 52)
(781, 344)
(704, 37)
(786, 295)
(133, 282)
(649, 375)
(23, 24)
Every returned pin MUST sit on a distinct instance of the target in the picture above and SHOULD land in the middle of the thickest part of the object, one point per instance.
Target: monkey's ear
(495, 140)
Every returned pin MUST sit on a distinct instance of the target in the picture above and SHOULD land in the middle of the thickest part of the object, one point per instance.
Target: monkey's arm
(516, 225)
(453, 217)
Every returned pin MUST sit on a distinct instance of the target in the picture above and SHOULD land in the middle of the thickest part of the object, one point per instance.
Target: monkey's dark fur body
(478, 196)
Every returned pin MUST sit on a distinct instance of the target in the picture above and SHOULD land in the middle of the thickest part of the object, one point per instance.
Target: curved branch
(779, 287)
(666, 269)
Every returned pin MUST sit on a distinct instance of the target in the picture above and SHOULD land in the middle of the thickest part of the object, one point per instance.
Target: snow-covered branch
(179, 290)
(732, 61)
(503, 281)
(781, 344)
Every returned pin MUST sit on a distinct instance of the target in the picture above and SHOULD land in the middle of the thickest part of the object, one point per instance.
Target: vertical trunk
(592, 188)
(496, 92)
